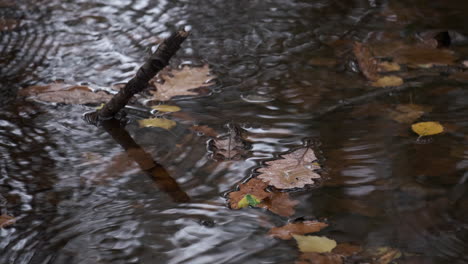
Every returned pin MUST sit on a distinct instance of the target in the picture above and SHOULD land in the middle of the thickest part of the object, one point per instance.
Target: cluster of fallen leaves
(321, 249)
(171, 83)
(292, 171)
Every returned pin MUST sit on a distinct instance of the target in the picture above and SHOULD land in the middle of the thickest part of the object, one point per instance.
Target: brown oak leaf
(293, 170)
(60, 92)
(181, 82)
(299, 228)
(254, 187)
(279, 203)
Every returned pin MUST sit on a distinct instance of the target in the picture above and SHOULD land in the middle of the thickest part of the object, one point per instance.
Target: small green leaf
(248, 200)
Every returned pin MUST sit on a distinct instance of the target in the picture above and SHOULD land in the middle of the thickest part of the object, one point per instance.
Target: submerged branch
(154, 170)
(363, 98)
(158, 60)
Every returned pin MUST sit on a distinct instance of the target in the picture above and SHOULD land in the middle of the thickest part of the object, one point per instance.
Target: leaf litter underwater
(202, 173)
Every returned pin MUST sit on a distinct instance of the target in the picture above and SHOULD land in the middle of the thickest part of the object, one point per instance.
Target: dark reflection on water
(79, 199)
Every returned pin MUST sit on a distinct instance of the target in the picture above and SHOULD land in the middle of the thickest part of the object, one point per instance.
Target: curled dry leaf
(367, 63)
(300, 228)
(6, 220)
(293, 170)
(407, 113)
(181, 82)
(231, 146)
(65, 93)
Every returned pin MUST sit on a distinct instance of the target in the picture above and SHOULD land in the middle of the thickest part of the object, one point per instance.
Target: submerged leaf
(65, 93)
(285, 232)
(388, 81)
(157, 122)
(6, 220)
(427, 128)
(181, 82)
(407, 113)
(315, 244)
(166, 108)
(294, 170)
(231, 146)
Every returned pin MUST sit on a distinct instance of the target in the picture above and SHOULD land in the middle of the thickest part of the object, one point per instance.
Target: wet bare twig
(158, 60)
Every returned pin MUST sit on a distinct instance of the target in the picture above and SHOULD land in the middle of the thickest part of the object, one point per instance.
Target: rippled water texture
(77, 197)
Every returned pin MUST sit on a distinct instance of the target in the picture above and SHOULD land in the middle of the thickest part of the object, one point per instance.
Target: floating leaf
(253, 187)
(315, 244)
(388, 81)
(285, 232)
(6, 220)
(427, 128)
(181, 82)
(166, 108)
(346, 249)
(386, 66)
(407, 113)
(248, 200)
(65, 93)
(317, 258)
(231, 146)
(157, 122)
(294, 170)
(279, 203)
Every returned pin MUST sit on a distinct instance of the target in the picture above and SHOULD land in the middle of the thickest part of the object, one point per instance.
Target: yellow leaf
(389, 66)
(157, 122)
(427, 128)
(314, 244)
(387, 81)
(166, 108)
(248, 200)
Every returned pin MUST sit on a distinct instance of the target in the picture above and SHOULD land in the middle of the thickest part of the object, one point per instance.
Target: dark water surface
(78, 199)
